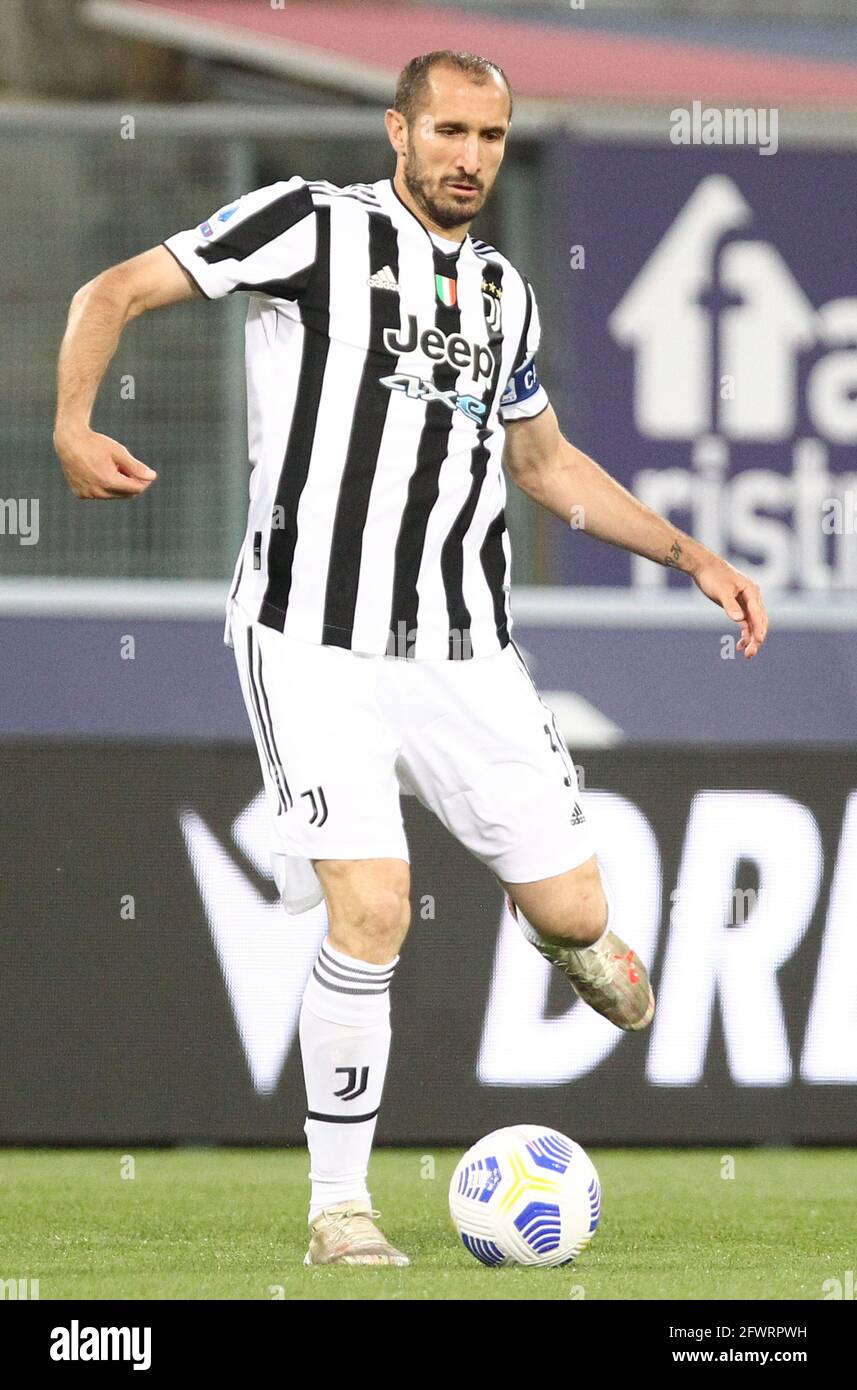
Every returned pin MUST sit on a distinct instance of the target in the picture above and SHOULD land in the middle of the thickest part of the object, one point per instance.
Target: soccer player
(391, 376)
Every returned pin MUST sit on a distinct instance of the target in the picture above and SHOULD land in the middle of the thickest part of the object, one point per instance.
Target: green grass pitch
(209, 1223)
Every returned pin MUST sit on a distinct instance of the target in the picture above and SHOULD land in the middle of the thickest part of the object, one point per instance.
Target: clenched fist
(99, 467)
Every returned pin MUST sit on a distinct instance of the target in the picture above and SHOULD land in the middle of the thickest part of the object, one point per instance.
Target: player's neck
(450, 233)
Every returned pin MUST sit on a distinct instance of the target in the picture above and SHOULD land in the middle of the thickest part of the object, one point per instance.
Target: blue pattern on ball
(550, 1151)
(484, 1250)
(539, 1224)
(476, 1182)
(594, 1194)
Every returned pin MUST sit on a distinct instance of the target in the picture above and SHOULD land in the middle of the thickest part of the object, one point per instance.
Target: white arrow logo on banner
(265, 954)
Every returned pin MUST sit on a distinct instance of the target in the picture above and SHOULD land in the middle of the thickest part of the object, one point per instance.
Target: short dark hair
(412, 86)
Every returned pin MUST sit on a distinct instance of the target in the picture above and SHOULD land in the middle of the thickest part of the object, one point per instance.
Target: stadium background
(700, 339)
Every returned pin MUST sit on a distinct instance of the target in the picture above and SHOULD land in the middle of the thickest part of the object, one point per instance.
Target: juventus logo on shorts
(351, 1090)
(319, 806)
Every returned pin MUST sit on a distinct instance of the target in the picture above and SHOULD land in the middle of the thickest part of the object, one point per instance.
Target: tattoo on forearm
(674, 556)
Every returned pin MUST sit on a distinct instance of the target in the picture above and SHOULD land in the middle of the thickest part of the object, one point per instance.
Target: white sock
(345, 1042)
(547, 948)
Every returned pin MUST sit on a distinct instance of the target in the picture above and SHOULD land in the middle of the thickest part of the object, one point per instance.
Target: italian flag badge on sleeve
(447, 291)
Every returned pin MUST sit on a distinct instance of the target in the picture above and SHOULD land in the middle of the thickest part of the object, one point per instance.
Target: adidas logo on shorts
(578, 817)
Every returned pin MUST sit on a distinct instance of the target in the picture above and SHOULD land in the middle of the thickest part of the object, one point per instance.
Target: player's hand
(96, 466)
(739, 598)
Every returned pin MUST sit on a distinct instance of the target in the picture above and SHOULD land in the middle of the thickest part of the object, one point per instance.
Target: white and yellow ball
(525, 1195)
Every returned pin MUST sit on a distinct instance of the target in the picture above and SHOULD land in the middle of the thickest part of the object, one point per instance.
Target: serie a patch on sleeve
(222, 216)
(522, 384)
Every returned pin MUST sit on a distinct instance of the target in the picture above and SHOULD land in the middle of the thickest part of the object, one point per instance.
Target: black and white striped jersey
(380, 371)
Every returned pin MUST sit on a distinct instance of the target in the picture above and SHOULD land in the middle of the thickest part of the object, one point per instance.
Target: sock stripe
(340, 1119)
(331, 973)
(347, 989)
(381, 973)
(353, 987)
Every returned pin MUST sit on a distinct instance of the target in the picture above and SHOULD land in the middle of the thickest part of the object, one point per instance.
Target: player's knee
(368, 912)
(372, 928)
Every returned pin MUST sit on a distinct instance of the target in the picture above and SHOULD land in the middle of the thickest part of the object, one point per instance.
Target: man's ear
(396, 130)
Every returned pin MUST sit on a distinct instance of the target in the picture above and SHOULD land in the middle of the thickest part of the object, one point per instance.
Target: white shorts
(341, 735)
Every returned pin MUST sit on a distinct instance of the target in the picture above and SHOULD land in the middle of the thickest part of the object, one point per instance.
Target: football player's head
(448, 127)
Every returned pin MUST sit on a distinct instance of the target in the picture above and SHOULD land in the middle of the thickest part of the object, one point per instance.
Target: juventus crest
(493, 295)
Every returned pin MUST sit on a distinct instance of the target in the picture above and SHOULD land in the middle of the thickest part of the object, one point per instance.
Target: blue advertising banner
(700, 314)
(657, 682)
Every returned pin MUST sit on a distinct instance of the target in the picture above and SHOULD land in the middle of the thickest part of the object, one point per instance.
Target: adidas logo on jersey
(384, 280)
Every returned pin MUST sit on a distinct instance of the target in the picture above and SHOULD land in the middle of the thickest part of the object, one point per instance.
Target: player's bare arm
(95, 465)
(574, 487)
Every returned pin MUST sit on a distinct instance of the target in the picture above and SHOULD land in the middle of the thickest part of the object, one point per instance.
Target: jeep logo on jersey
(441, 347)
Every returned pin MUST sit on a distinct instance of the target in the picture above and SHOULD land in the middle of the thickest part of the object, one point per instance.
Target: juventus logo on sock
(351, 1090)
(345, 1043)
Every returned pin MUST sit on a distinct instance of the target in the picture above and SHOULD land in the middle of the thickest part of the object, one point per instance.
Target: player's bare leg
(566, 919)
(345, 1043)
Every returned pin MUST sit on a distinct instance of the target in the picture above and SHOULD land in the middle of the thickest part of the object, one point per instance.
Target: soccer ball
(525, 1195)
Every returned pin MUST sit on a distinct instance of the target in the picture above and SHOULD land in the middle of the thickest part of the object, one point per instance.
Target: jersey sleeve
(525, 397)
(265, 244)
